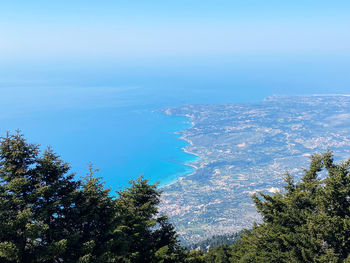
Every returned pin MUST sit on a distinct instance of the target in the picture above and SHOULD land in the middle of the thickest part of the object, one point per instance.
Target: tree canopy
(48, 215)
(308, 222)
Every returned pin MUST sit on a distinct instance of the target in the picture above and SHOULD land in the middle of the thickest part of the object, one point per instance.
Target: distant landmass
(246, 148)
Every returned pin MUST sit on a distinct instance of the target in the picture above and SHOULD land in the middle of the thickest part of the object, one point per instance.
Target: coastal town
(247, 148)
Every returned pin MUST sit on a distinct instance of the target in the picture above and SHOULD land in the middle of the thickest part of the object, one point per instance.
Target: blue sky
(61, 30)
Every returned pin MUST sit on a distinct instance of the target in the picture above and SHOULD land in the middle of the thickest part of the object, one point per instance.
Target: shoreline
(190, 163)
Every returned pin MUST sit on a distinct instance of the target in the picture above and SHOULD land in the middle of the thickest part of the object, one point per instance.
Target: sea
(107, 113)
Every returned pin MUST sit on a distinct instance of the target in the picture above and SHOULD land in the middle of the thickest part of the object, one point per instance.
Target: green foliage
(309, 222)
(147, 236)
(194, 256)
(46, 215)
(219, 254)
(214, 241)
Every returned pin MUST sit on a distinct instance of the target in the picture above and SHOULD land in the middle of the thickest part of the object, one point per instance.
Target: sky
(47, 31)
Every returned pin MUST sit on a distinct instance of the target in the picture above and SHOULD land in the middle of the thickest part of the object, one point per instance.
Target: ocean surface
(107, 113)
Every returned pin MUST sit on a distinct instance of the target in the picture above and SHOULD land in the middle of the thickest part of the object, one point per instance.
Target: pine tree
(96, 220)
(47, 215)
(308, 222)
(219, 254)
(54, 207)
(194, 256)
(37, 203)
(19, 230)
(147, 237)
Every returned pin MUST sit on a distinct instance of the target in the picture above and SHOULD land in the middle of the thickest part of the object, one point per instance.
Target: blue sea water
(107, 114)
(109, 127)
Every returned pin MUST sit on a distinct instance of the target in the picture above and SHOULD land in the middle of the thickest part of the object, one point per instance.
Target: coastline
(190, 164)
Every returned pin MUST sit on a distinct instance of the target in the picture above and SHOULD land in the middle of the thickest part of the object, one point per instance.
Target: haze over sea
(86, 76)
(105, 113)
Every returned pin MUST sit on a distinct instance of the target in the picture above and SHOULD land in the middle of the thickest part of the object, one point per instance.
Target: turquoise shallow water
(123, 141)
(106, 115)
